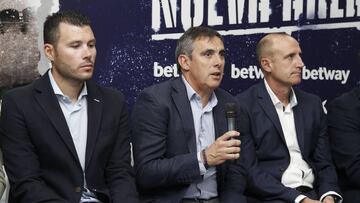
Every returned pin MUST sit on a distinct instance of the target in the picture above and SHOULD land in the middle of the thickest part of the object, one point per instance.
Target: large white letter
(213, 18)
(322, 9)
(335, 11)
(298, 8)
(198, 12)
(265, 11)
(236, 7)
(186, 13)
(286, 10)
(155, 13)
(253, 11)
(310, 9)
(350, 8)
(170, 21)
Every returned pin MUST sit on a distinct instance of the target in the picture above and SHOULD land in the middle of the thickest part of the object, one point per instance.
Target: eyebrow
(212, 51)
(79, 41)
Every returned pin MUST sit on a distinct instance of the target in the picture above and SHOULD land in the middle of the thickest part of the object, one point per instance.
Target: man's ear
(49, 51)
(266, 64)
(184, 62)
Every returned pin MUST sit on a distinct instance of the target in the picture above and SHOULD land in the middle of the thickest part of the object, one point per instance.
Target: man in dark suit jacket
(64, 138)
(290, 156)
(344, 131)
(179, 129)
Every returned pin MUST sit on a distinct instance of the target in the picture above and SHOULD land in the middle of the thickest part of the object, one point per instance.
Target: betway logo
(321, 73)
(254, 72)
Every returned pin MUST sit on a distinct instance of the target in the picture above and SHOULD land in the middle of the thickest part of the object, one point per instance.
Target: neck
(282, 92)
(70, 88)
(203, 92)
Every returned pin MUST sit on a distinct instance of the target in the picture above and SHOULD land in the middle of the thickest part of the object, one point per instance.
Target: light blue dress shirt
(205, 136)
(77, 121)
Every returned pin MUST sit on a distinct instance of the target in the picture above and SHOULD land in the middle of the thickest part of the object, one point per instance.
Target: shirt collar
(58, 91)
(275, 100)
(191, 94)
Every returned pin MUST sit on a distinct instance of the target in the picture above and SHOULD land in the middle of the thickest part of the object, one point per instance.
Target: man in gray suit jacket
(179, 129)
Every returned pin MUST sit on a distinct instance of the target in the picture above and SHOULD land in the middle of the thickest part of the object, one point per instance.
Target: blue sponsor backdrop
(128, 44)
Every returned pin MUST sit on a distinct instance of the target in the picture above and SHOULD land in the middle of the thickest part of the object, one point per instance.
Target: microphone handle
(231, 124)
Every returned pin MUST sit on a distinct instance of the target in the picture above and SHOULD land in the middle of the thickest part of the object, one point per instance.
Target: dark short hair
(51, 25)
(186, 41)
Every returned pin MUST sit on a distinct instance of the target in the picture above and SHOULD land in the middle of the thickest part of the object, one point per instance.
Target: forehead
(285, 44)
(208, 43)
(70, 32)
(285, 41)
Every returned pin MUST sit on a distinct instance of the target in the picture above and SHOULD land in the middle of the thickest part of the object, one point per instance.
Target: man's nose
(300, 62)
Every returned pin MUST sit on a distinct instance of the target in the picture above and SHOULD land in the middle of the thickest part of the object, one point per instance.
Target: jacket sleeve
(119, 173)
(326, 179)
(344, 132)
(2, 176)
(20, 157)
(150, 121)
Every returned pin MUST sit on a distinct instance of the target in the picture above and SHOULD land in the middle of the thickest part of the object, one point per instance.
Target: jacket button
(78, 189)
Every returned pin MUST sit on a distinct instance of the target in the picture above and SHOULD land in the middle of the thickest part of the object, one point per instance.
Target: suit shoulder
(224, 97)
(248, 94)
(223, 93)
(159, 88)
(161, 92)
(302, 95)
(20, 92)
(111, 93)
(349, 99)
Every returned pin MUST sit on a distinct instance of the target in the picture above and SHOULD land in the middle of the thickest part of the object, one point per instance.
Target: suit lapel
(94, 109)
(46, 98)
(357, 92)
(267, 105)
(219, 116)
(182, 104)
(299, 125)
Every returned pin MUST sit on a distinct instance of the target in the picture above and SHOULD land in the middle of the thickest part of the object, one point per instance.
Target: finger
(228, 135)
(233, 150)
(232, 143)
(232, 156)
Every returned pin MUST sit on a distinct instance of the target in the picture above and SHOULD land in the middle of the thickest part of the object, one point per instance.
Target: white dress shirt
(298, 173)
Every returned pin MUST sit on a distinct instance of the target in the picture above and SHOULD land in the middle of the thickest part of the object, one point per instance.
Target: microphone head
(230, 109)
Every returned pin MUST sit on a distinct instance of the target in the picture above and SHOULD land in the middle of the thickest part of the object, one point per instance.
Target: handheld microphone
(230, 109)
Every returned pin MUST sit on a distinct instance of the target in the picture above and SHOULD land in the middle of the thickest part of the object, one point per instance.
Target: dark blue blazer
(268, 155)
(165, 147)
(39, 154)
(344, 131)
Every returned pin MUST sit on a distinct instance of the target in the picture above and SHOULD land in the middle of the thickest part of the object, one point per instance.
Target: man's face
(206, 66)
(74, 54)
(286, 63)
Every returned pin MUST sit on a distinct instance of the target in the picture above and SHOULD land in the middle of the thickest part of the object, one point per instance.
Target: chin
(296, 82)
(86, 77)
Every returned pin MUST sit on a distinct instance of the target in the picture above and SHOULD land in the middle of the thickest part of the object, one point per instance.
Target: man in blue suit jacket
(290, 155)
(64, 138)
(344, 131)
(179, 129)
